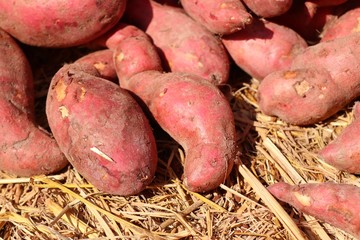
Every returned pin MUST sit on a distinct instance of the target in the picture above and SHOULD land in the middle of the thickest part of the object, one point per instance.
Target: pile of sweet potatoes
(164, 64)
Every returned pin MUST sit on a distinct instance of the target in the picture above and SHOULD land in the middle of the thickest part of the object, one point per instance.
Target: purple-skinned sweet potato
(321, 81)
(268, 8)
(59, 23)
(189, 108)
(344, 152)
(263, 47)
(183, 44)
(101, 130)
(26, 148)
(336, 204)
(219, 16)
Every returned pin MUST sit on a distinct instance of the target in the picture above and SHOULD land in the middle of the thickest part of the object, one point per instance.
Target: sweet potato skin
(343, 153)
(323, 89)
(263, 47)
(101, 130)
(26, 149)
(183, 44)
(337, 204)
(59, 23)
(218, 16)
(268, 8)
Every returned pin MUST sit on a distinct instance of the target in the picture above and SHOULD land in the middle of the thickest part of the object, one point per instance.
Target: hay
(65, 206)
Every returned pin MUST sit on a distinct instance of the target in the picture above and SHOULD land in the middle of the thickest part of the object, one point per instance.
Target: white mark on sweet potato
(357, 27)
(302, 88)
(163, 92)
(303, 199)
(64, 112)
(102, 154)
(100, 66)
(120, 57)
(82, 94)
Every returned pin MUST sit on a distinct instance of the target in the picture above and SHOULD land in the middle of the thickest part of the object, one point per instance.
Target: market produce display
(165, 119)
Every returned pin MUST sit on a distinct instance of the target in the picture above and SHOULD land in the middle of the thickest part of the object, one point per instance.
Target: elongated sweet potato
(264, 47)
(189, 108)
(26, 149)
(59, 23)
(219, 16)
(337, 204)
(268, 8)
(101, 130)
(321, 81)
(346, 24)
(344, 152)
(183, 44)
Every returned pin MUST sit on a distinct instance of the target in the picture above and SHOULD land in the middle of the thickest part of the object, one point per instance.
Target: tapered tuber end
(280, 190)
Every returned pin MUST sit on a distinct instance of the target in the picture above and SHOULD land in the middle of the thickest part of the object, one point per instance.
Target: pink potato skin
(183, 44)
(197, 115)
(346, 24)
(59, 23)
(101, 130)
(321, 81)
(26, 149)
(344, 152)
(268, 8)
(102, 60)
(218, 16)
(336, 204)
(264, 47)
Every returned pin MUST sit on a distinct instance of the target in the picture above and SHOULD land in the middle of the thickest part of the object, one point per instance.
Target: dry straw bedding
(65, 206)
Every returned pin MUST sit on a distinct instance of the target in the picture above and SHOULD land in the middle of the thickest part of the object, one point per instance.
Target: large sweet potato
(101, 129)
(321, 81)
(59, 23)
(337, 204)
(264, 47)
(26, 149)
(183, 44)
(219, 16)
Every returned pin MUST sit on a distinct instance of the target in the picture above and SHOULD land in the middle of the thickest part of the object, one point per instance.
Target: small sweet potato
(101, 129)
(26, 149)
(321, 81)
(183, 44)
(344, 152)
(336, 204)
(189, 108)
(346, 24)
(219, 16)
(263, 47)
(268, 8)
(59, 23)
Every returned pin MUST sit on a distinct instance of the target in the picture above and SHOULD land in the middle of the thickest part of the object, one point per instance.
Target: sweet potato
(336, 204)
(346, 24)
(189, 108)
(218, 16)
(344, 152)
(102, 130)
(321, 81)
(26, 149)
(184, 45)
(263, 47)
(268, 8)
(59, 23)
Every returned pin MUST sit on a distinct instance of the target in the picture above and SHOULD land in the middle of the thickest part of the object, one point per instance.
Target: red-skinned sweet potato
(268, 8)
(344, 152)
(321, 81)
(183, 44)
(264, 47)
(189, 108)
(337, 204)
(102, 130)
(346, 24)
(219, 16)
(59, 23)
(26, 149)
